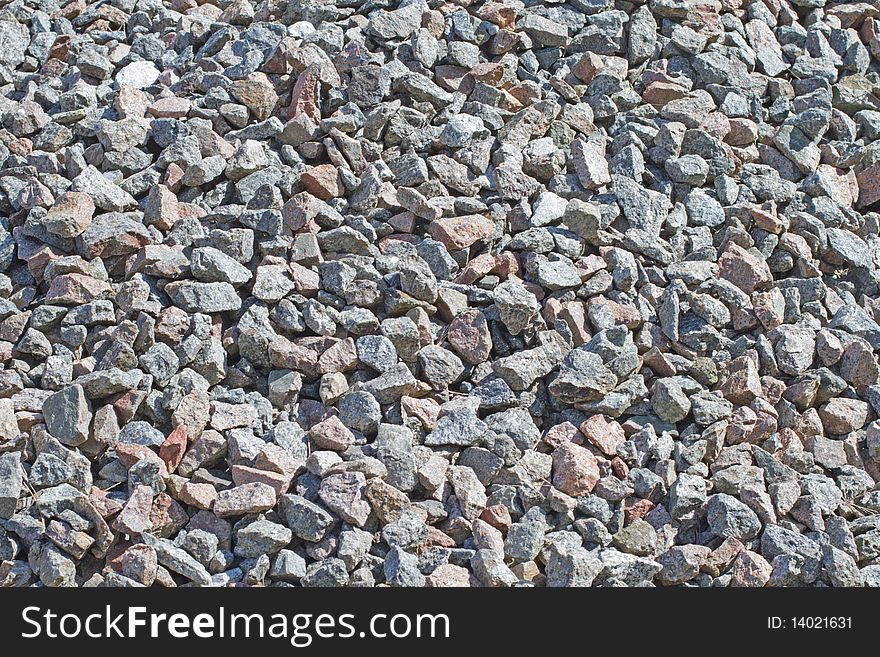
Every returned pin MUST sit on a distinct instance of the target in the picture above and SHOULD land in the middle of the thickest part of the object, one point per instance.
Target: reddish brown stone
(562, 433)
(425, 410)
(743, 132)
(289, 355)
(299, 210)
(70, 215)
(388, 503)
(489, 73)
(332, 434)
(280, 60)
(170, 108)
(201, 496)
(869, 185)
(162, 207)
(469, 336)
(126, 404)
(129, 454)
(619, 468)
(501, 14)
(476, 269)
(575, 470)
(322, 181)
(604, 434)
(135, 515)
(173, 178)
(173, 449)
(257, 93)
(173, 324)
(131, 102)
(506, 264)
(448, 576)
(742, 384)
(498, 516)
(305, 281)
(304, 95)
(461, 232)
(242, 474)
(720, 558)
(453, 78)
(60, 47)
(38, 262)
(744, 269)
(75, 289)
(750, 569)
(627, 315)
(841, 415)
(716, 124)
(587, 67)
(167, 516)
(137, 562)
(659, 93)
(438, 539)
(574, 314)
(345, 495)
(340, 357)
(635, 509)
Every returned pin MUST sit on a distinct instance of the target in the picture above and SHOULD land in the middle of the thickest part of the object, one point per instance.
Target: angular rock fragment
(67, 415)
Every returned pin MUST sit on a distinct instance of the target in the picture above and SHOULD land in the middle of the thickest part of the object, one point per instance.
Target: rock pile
(465, 293)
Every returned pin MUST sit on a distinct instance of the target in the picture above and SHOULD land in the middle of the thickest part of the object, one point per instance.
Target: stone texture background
(467, 293)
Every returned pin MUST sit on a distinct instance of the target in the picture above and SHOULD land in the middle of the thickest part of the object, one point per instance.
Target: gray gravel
(489, 293)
